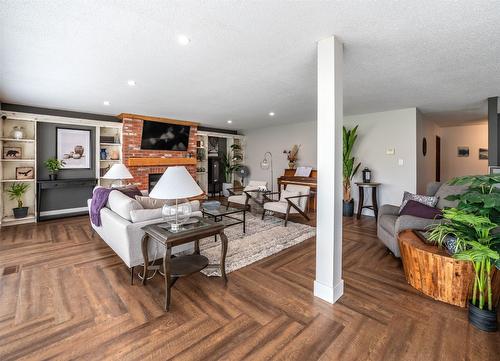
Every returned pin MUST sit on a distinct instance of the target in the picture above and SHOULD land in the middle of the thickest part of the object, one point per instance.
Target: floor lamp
(267, 163)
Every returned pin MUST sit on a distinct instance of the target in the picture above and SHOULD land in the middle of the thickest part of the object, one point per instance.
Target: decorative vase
(348, 208)
(485, 320)
(52, 176)
(20, 212)
(104, 153)
(291, 165)
(17, 132)
(114, 154)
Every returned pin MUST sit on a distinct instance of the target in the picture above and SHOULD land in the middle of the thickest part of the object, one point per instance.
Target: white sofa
(124, 236)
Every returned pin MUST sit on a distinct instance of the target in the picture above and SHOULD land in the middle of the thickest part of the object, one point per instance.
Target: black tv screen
(164, 136)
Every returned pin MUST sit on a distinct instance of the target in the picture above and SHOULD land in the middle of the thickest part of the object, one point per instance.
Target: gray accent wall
(56, 199)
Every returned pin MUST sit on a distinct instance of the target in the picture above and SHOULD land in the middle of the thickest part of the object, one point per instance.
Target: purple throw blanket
(99, 200)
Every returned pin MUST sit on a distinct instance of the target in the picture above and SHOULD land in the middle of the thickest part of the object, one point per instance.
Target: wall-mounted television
(164, 136)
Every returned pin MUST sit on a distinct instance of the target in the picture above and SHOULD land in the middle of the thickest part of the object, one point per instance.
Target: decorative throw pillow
(153, 203)
(130, 191)
(122, 204)
(417, 209)
(427, 200)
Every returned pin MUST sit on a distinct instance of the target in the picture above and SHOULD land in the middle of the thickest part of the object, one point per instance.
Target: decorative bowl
(211, 205)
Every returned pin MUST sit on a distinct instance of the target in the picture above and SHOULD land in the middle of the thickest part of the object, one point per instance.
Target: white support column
(329, 284)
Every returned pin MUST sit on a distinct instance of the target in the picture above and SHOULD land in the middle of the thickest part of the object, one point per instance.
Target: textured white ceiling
(248, 58)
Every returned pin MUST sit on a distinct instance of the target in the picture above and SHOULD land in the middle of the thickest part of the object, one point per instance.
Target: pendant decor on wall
(424, 146)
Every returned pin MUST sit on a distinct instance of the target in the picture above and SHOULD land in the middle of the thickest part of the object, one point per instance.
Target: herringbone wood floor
(64, 295)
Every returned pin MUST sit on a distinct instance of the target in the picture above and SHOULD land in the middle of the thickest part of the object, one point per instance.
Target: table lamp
(176, 184)
(118, 172)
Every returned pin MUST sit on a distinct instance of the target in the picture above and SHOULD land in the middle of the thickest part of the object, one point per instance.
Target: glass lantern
(176, 213)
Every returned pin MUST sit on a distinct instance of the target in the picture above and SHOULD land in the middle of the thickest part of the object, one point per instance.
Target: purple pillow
(417, 209)
(130, 191)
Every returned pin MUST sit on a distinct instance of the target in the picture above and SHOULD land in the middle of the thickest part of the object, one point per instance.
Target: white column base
(327, 293)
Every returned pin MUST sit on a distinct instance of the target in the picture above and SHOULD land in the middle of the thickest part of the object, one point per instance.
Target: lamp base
(175, 227)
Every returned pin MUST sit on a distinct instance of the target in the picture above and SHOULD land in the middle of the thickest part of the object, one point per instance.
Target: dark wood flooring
(64, 295)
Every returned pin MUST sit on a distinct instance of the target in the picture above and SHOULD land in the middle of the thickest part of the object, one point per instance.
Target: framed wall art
(73, 147)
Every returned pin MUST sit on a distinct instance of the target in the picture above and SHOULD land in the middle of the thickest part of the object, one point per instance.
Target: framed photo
(12, 153)
(483, 153)
(73, 147)
(462, 151)
(25, 173)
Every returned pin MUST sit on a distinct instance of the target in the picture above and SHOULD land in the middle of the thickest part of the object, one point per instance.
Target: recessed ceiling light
(131, 82)
(271, 114)
(106, 102)
(183, 39)
(229, 121)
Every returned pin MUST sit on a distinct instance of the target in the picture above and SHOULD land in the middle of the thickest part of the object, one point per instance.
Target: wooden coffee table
(183, 265)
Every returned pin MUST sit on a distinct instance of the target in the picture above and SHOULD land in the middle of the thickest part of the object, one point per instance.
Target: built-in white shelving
(113, 150)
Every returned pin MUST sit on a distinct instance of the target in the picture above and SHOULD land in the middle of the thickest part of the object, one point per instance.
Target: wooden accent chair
(294, 199)
(242, 196)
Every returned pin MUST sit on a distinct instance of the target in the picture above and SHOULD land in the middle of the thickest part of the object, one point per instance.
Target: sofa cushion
(130, 191)
(122, 204)
(417, 209)
(152, 203)
(388, 222)
(141, 215)
(427, 200)
(447, 190)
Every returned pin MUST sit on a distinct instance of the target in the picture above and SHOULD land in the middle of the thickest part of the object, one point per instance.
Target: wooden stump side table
(374, 206)
(183, 265)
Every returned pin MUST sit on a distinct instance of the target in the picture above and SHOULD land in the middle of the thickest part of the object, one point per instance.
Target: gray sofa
(390, 223)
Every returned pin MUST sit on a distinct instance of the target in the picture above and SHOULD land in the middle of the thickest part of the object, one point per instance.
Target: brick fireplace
(140, 162)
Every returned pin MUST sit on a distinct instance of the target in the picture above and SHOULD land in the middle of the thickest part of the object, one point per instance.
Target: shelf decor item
(367, 175)
(12, 153)
(73, 146)
(25, 173)
(17, 132)
(16, 192)
(104, 154)
(349, 169)
(54, 166)
(176, 184)
(292, 156)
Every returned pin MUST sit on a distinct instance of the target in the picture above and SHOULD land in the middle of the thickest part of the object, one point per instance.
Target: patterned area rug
(263, 238)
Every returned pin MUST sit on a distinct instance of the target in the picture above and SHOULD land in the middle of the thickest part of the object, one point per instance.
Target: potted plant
(229, 166)
(16, 192)
(476, 243)
(53, 166)
(292, 155)
(349, 169)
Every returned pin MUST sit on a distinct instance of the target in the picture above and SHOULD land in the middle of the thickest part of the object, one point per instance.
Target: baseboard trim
(58, 212)
(329, 294)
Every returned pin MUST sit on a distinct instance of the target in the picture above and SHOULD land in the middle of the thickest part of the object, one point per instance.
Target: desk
(374, 206)
(56, 184)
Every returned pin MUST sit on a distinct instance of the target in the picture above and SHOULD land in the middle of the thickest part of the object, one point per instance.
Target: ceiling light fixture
(183, 40)
(229, 121)
(131, 82)
(106, 102)
(271, 114)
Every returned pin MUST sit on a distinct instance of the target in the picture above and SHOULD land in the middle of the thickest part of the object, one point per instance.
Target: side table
(374, 206)
(183, 265)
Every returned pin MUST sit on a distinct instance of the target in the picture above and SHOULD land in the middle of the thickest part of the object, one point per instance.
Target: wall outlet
(401, 162)
(390, 151)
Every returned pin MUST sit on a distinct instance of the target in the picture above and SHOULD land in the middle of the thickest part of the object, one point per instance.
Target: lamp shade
(118, 171)
(176, 183)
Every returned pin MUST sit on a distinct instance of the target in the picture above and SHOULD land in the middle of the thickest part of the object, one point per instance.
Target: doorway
(438, 159)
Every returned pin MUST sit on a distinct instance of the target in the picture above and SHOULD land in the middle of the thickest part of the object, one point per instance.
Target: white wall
(276, 139)
(426, 165)
(472, 136)
(379, 132)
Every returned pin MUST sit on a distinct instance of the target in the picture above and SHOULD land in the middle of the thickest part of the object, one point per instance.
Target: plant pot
(348, 208)
(20, 212)
(485, 320)
(225, 187)
(53, 176)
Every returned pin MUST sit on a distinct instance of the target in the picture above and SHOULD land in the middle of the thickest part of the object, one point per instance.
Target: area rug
(263, 238)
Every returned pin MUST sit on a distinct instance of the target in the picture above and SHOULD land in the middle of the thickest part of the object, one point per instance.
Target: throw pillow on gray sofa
(427, 200)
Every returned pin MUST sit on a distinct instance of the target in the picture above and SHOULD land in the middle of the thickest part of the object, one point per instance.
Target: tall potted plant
(349, 168)
(53, 166)
(230, 164)
(476, 243)
(16, 192)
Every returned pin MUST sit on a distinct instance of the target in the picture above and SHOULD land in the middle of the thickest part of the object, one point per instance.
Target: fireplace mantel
(158, 161)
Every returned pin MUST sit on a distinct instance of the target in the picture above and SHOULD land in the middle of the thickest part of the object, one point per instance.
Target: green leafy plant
(230, 162)
(53, 165)
(476, 243)
(482, 196)
(349, 167)
(16, 192)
